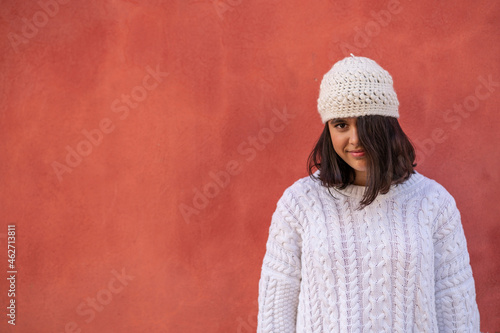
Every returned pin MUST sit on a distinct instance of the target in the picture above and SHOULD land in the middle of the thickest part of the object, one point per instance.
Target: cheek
(338, 144)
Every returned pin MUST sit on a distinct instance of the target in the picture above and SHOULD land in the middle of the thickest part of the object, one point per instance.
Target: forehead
(343, 120)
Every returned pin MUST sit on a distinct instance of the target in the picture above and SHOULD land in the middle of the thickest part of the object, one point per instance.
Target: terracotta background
(239, 97)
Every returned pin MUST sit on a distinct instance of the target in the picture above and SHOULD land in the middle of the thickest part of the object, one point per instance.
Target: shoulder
(446, 215)
(435, 191)
(300, 198)
(302, 189)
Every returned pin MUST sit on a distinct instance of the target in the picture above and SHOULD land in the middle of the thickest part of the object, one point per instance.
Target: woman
(366, 243)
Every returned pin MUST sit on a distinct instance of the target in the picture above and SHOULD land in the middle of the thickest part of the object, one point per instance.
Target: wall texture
(144, 145)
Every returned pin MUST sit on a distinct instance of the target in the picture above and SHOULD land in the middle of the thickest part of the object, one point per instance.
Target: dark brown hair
(389, 152)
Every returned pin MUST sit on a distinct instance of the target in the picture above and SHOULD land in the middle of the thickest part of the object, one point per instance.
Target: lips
(357, 153)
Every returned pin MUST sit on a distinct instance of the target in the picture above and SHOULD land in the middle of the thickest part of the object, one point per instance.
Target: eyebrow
(338, 120)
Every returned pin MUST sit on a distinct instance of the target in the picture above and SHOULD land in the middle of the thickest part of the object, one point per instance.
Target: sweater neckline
(357, 191)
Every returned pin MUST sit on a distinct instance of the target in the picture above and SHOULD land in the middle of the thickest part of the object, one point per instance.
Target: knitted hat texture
(354, 87)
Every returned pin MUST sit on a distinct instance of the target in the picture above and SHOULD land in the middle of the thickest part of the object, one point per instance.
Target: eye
(340, 125)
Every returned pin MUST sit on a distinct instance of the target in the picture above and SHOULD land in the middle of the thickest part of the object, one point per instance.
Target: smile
(359, 153)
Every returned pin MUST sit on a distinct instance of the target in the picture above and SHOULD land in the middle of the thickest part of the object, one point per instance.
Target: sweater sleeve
(455, 293)
(279, 284)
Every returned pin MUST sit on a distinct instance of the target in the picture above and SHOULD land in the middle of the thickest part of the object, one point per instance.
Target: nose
(353, 137)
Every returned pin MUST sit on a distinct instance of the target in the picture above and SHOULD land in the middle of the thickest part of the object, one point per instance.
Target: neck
(360, 178)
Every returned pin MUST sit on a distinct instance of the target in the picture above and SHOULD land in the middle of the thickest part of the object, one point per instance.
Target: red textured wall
(144, 145)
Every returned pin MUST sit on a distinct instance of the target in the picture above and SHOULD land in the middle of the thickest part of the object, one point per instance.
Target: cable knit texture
(399, 265)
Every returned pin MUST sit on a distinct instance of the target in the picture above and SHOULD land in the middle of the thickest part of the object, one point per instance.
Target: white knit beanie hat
(354, 87)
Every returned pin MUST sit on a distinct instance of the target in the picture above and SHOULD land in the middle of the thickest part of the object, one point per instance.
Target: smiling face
(344, 135)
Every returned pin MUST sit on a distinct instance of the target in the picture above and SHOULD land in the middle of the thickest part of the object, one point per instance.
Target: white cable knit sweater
(399, 265)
